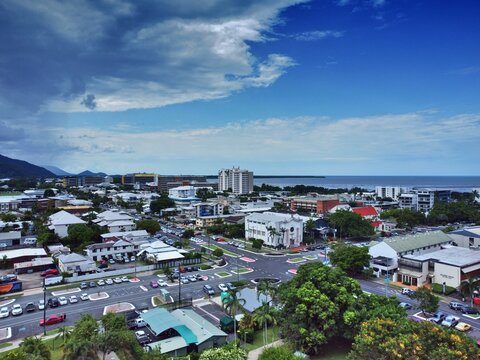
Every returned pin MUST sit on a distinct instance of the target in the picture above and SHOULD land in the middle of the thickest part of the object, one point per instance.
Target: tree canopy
(350, 224)
(163, 202)
(427, 302)
(150, 225)
(351, 259)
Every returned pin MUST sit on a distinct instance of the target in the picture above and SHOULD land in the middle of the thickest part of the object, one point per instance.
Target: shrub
(438, 289)
(205, 267)
(239, 283)
(217, 252)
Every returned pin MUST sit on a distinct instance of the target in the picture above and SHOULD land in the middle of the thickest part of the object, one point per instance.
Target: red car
(49, 272)
(220, 239)
(53, 319)
(153, 284)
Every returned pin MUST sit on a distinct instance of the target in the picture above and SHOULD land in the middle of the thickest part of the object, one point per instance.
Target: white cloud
(412, 143)
(318, 35)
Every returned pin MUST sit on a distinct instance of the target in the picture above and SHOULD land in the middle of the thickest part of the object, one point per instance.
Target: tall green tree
(263, 316)
(351, 259)
(350, 224)
(36, 348)
(467, 288)
(150, 225)
(281, 352)
(427, 301)
(161, 203)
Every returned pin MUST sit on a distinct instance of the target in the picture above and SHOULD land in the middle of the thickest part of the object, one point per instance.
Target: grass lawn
(311, 257)
(337, 349)
(272, 334)
(242, 271)
(223, 274)
(226, 252)
(12, 193)
(4, 345)
(56, 348)
(295, 260)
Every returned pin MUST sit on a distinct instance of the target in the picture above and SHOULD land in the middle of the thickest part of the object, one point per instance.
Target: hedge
(438, 288)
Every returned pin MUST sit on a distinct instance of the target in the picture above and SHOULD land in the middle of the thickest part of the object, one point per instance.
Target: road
(140, 293)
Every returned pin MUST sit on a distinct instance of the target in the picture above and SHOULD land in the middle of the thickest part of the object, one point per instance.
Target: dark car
(230, 286)
(103, 266)
(53, 302)
(93, 284)
(207, 289)
(469, 310)
(437, 317)
(30, 307)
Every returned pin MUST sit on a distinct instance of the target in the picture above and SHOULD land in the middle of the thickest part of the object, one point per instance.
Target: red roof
(365, 211)
(376, 224)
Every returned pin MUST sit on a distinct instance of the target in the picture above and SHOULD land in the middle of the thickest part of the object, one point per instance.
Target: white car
(125, 260)
(132, 258)
(117, 280)
(17, 310)
(161, 283)
(124, 279)
(62, 300)
(109, 281)
(100, 283)
(73, 299)
(84, 296)
(223, 287)
(41, 305)
(4, 312)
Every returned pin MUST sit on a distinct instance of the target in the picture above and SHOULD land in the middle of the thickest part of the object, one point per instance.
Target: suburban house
(76, 263)
(127, 235)
(163, 254)
(109, 250)
(389, 255)
(10, 238)
(367, 212)
(60, 221)
(182, 331)
(115, 221)
(468, 237)
(275, 229)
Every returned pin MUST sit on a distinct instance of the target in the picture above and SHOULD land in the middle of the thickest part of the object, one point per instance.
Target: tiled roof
(365, 211)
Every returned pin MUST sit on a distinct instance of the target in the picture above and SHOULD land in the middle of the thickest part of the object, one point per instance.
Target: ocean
(454, 183)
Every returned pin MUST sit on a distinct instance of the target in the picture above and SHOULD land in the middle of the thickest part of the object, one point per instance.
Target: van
(30, 241)
(137, 323)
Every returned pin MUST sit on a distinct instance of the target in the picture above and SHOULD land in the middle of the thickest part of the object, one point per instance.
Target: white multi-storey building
(275, 229)
(238, 180)
(425, 200)
(389, 191)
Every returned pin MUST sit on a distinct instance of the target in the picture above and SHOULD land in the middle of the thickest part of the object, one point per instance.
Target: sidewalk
(254, 354)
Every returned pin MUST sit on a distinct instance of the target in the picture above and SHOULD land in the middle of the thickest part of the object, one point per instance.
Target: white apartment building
(239, 181)
(183, 194)
(111, 249)
(425, 200)
(274, 229)
(408, 201)
(115, 221)
(389, 191)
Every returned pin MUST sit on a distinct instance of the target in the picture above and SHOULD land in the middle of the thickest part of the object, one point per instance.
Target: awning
(410, 273)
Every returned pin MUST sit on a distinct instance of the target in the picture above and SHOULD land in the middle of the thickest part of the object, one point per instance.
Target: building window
(470, 242)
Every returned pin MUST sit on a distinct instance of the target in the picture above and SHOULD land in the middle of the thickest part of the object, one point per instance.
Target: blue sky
(344, 87)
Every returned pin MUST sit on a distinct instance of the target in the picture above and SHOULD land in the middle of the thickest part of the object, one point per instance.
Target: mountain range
(13, 168)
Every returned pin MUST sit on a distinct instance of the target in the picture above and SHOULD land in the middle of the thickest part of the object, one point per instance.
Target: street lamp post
(179, 285)
(44, 308)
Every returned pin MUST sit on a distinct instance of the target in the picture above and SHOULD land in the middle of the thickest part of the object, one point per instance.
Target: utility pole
(179, 285)
(387, 280)
(44, 308)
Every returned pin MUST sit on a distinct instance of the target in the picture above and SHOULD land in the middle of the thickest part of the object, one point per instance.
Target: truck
(10, 287)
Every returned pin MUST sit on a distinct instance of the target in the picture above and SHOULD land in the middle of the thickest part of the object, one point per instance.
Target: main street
(140, 293)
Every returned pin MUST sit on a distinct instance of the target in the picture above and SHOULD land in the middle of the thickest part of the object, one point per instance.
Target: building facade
(391, 192)
(237, 180)
(275, 229)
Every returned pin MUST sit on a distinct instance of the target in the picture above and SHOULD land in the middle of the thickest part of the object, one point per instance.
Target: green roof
(202, 328)
(169, 345)
(412, 242)
(160, 320)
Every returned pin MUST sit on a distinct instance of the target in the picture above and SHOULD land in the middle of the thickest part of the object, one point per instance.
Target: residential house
(162, 254)
(60, 221)
(111, 249)
(11, 238)
(76, 263)
(115, 221)
(182, 331)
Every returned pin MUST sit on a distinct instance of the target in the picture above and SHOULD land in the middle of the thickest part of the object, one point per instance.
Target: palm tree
(80, 349)
(64, 333)
(36, 348)
(263, 316)
(266, 288)
(467, 288)
(232, 305)
(272, 232)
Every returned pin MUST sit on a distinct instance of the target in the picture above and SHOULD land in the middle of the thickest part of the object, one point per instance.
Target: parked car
(132, 258)
(125, 279)
(136, 323)
(408, 292)
(73, 299)
(49, 272)
(53, 302)
(405, 305)
(101, 282)
(52, 319)
(192, 278)
(230, 286)
(162, 283)
(456, 305)
(8, 278)
(30, 307)
(17, 310)
(461, 326)
(184, 280)
(62, 300)
(83, 285)
(437, 317)
(153, 284)
(103, 266)
(223, 287)
(4, 312)
(92, 284)
(109, 281)
(117, 280)
(126, 260)
(111, 261)
(469, 310)
(208, 289)
(84, 297)
(450, 321)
